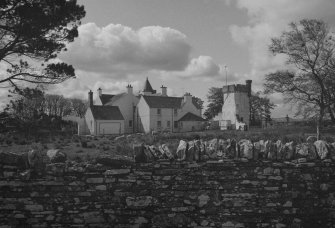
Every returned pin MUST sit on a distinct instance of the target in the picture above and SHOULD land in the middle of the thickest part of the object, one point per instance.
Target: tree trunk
(319, 122)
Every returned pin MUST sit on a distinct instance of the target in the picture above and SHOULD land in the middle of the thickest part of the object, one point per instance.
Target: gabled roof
(106, 112)
(167, 102)
(116, 97)
(191, 117)
(106, 98)
(148, 87)
(163, 102)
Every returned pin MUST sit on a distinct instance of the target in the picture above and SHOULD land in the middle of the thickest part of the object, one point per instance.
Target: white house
(103, 120)
(149, 111)
(159, 112)
(126, 102)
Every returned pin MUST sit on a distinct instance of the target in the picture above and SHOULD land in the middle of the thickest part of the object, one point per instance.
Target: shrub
(84, 144)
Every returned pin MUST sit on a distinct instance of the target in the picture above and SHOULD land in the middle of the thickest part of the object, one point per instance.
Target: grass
(88, 148)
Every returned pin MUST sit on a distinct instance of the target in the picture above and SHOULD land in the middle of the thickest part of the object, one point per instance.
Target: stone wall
(163, 194)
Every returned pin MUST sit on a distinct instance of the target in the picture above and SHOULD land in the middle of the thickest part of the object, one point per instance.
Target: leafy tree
(26, 108)
(199, 102)
(215, 102)
(35, 31)
(260, 109)
(309, 46)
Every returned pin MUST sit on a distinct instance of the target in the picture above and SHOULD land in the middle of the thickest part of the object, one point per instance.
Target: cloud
(269, 19)
(119, 48)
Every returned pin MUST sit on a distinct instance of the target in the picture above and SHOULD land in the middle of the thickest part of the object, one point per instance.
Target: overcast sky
(182, 44)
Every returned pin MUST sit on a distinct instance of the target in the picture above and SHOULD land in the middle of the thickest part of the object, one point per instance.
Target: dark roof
(106, 112)
(191, 117)
(148, 87)
(163, 102)
(167, 102)
(106, 98)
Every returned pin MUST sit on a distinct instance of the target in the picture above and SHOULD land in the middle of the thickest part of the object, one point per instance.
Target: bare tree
(309, 46)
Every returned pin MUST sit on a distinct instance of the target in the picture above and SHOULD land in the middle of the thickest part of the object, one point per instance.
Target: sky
(185, 45)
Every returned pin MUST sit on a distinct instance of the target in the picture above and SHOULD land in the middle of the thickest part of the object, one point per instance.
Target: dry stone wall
(229, 193)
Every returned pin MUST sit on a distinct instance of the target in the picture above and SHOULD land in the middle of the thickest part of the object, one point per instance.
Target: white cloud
(269, 19)
(119, 48)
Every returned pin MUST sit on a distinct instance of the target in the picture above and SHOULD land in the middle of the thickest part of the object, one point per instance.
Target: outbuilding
(104, 120)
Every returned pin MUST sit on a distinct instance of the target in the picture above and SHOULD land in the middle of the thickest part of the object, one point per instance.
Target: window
(159, 123)
(175, 124)
(168, 123)
(158, 111)
(130, 123)
(175, 111)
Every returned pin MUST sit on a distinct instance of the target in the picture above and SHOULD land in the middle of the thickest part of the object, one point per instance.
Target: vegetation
(260, 106)
(33, 32)
(31, 111)
(309, 46)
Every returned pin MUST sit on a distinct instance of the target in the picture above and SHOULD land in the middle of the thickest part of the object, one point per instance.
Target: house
(103, 120)
(126, 102)
(159, 112)
(149, 111)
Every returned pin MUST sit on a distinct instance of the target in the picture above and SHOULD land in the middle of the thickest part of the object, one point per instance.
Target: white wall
(235, 104)
(126, 104)
(90, 122)
(167, 114)
(143, 113)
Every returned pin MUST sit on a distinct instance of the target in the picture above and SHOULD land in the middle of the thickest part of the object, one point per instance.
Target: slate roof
(106, 112)
(163, 102)
(106, 98)
(191, 117)
(148, 87)
(166, 102)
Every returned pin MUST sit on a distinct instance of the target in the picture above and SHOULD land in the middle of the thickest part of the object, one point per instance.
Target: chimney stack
(187, 98)
(248, 83)
(164, 90)
(129, 89)
(100, 92)
(90, 98)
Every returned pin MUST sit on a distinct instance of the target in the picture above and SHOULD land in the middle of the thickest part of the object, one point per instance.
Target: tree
(309, 46)
(199, 102)
(260, 109)
(79, 107)
(215, 102)
(35, 31)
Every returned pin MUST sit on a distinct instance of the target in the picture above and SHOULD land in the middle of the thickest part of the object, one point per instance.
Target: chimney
(90, 98)
(100, 92)
(164, 90)
(187, 98)
(248, 83)
(129, 89)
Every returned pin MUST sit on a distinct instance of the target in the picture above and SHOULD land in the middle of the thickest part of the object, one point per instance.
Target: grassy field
(87, 148)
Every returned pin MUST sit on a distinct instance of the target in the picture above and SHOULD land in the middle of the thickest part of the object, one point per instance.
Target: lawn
(88, 148)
